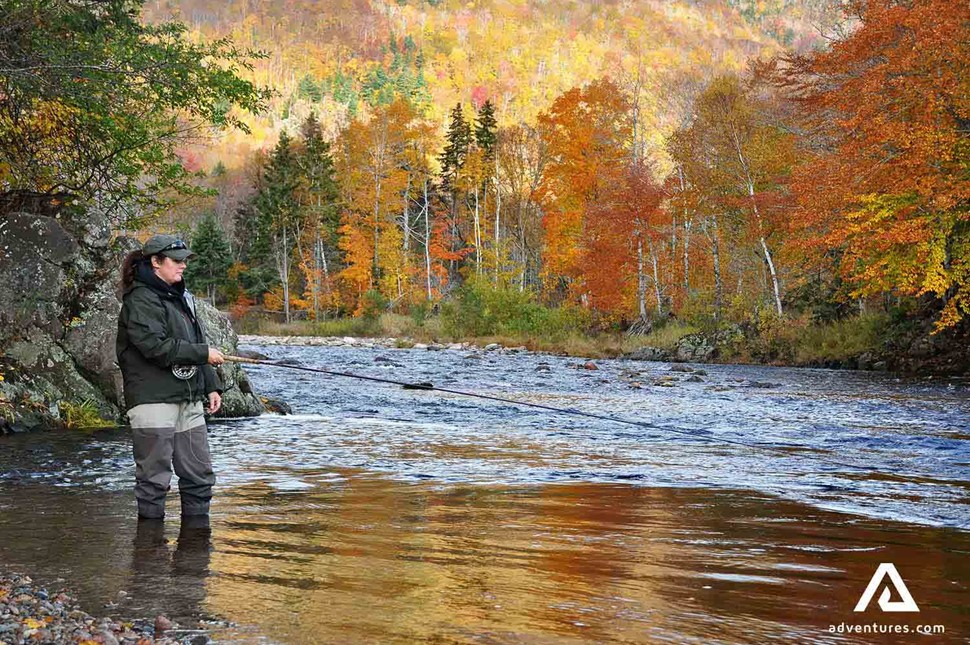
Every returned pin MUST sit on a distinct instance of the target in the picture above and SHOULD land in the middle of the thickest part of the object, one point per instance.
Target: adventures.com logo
(906, 603)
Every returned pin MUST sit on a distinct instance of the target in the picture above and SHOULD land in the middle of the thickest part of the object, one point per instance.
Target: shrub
(481, 309)
(419, 312)
(775, 337)
(665, 335)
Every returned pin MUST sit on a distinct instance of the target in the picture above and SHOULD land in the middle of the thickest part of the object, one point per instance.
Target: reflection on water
(358, 558)
(381, 515)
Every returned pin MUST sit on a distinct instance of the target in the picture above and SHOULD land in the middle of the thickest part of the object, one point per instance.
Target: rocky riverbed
(29, 613)
(369, 343)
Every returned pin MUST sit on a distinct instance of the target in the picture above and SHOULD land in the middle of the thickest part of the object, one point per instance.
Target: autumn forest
(606, 166)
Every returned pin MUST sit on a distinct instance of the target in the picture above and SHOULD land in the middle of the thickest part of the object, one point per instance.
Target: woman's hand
(216, 357)
(215, 402)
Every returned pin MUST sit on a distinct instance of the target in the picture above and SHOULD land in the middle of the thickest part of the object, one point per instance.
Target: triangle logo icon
(905, 604)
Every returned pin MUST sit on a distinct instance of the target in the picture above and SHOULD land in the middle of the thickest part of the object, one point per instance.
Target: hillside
(341, 57)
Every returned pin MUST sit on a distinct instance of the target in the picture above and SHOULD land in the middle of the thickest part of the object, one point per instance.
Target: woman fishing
(168, 375)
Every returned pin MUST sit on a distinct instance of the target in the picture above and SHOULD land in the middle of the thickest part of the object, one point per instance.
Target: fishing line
(582, 413)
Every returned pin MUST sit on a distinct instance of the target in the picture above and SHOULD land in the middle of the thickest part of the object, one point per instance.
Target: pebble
(29, 615)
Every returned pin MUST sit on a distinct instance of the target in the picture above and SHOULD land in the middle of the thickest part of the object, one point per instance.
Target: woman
(168, 374)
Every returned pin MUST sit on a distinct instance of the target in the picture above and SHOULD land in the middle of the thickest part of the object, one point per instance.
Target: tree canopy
(94, 103)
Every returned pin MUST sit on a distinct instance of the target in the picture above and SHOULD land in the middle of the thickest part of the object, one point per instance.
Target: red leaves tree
(886, 182)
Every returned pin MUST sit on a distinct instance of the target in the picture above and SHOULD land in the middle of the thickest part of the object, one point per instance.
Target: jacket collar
(150, 279)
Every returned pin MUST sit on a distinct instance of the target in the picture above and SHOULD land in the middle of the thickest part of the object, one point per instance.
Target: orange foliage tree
(381, 172)
(624, 234)
(886, 183)
(587, 133)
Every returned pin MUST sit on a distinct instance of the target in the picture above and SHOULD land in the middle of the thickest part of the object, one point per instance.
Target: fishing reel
(184, 372)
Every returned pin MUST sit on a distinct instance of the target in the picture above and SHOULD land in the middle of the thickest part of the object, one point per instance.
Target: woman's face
(169, 270)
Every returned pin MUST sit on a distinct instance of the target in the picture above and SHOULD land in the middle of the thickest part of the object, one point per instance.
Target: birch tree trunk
(656, 278)
(407, 219)
(498, 215)
(716, 256)
(688, 224)
(427, 241)
(757, 216)
(478, 238)
(285, 276)
(322, 259)
(641, 279)
(377, 232)
(315, 287)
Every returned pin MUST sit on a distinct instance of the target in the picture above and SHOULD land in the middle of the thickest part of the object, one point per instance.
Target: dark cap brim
(178, 254)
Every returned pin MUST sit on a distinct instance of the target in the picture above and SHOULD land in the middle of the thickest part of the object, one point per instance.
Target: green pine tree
(309, 90)
(459, 139)
(485, 128)
(320, 196)
(208, 270)
(271, 221)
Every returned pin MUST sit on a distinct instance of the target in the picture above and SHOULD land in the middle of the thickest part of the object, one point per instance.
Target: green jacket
(158, 329)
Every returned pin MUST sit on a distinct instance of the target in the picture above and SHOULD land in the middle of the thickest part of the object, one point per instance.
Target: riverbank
(870, 342)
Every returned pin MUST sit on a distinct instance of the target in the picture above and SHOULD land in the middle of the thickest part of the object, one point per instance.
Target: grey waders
(167, 436)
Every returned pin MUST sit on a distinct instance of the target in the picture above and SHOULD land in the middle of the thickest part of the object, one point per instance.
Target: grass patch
(665, 338)
(841, 340)
(83, 416)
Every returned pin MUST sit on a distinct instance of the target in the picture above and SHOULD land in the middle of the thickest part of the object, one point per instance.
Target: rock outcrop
(58, 319)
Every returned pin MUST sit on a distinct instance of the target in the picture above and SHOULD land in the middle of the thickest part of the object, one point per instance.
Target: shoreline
(645, 353)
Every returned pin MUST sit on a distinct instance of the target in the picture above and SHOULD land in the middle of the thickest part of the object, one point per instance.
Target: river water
(753, 504)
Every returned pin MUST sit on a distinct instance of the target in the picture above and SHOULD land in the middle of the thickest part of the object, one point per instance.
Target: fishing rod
(427, 386)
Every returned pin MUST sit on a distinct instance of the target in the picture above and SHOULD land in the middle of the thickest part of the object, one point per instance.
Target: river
(752, 504)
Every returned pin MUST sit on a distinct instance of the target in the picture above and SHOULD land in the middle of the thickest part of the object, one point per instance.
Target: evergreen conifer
(208, 269)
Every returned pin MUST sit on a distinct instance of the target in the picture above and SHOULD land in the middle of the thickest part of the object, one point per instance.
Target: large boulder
(695, 348)
(708, 346)
(90, 340)
(44, 276)
(648, 354)
(238, 400)
(58, 323)
(36, 256)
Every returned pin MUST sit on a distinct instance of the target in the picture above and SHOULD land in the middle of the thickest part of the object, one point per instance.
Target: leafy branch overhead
(94, 104)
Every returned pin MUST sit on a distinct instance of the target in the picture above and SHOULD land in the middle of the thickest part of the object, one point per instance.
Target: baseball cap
(167, 245)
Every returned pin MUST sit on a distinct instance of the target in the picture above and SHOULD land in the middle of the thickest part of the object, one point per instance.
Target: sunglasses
(176, 245)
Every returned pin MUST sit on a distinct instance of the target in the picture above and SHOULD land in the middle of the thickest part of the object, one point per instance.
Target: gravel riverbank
(368, 343)
(31, 614)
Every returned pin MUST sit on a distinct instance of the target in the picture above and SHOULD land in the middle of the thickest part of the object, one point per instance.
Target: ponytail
(128, 267)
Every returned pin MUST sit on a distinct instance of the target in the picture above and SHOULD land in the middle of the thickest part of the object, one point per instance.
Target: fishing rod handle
(240, 359)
